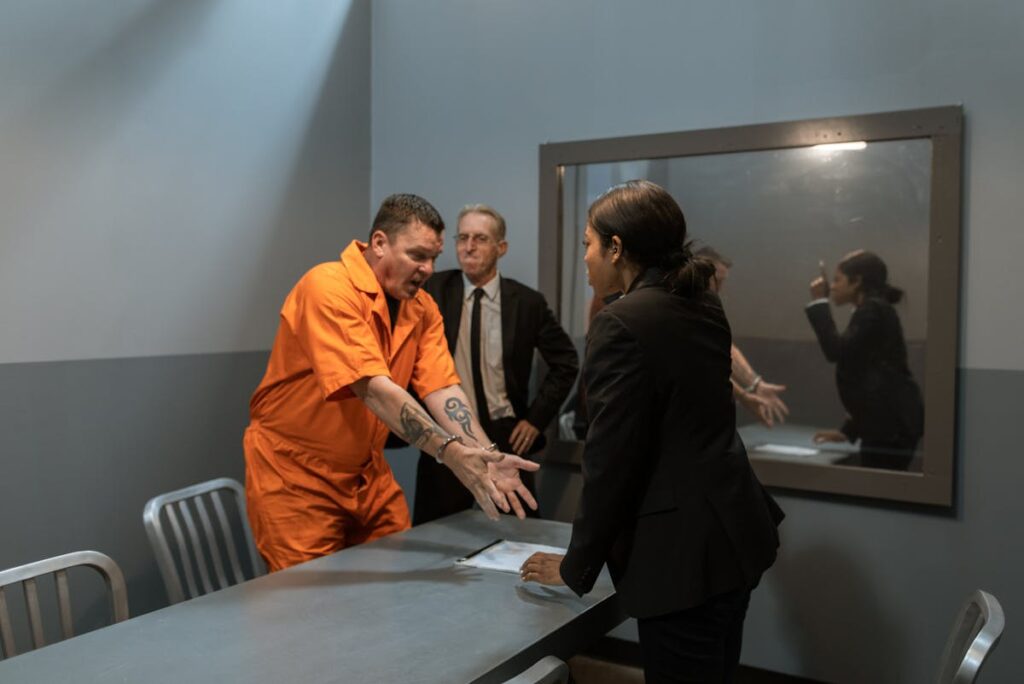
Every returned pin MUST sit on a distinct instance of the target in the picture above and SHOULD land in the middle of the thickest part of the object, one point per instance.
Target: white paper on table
(787, 450)
(505, 556)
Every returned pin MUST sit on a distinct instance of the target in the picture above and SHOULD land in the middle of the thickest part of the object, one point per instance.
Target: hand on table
(829, 436)
(543, 569)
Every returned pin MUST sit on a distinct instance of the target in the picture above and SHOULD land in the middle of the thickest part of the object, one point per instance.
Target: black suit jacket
(874, 381)
(669, 499)
(526, 324)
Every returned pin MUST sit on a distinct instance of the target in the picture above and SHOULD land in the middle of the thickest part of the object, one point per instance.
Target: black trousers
(439, 492)
(699, 644)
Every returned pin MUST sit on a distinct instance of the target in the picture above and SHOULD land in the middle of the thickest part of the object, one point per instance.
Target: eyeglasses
(479, 239)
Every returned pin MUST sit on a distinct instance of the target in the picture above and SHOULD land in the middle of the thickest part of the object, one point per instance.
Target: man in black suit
(493, 325)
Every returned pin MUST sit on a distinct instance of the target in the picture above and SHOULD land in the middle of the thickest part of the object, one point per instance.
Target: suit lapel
(451, 309)
(509, 319)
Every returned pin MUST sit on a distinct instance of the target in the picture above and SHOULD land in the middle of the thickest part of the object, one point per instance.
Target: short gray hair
(486, 210)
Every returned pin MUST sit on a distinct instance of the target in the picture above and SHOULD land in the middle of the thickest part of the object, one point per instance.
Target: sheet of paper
(787, 450)
(505, 556)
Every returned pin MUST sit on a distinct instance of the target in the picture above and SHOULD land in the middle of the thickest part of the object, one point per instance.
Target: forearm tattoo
(417, 427)
(458, 412)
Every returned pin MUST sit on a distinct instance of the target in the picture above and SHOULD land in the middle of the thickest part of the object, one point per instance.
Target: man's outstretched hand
(492, 478)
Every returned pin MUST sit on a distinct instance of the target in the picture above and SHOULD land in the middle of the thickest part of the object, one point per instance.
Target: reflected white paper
(506, 556)
(787, 450)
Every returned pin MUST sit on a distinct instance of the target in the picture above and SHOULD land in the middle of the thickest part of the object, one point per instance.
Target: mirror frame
(944, 127)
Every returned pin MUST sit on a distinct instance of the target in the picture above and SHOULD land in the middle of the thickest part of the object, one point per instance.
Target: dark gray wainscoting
(84, 445)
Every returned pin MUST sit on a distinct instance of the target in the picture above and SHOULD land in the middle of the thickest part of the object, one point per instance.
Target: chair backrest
(975, 633)
(186, 552)
(58, 566)
(547, 670)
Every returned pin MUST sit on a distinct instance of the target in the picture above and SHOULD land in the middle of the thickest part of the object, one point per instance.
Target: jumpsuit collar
(363, 277)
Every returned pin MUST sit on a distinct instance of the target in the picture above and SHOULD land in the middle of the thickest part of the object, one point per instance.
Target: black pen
(481, 550)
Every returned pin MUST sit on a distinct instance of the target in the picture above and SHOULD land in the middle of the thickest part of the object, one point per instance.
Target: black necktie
(475, 331)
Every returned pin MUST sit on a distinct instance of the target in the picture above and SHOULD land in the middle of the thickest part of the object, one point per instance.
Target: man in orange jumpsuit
(353, 335)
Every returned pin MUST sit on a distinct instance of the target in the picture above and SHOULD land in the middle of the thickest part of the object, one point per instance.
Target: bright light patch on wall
(836, 147)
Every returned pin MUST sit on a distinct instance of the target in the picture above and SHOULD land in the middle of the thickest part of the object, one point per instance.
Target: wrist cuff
(444, 445)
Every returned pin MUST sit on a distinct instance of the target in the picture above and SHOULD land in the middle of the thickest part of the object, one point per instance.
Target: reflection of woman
(874, 381)
(669, 500)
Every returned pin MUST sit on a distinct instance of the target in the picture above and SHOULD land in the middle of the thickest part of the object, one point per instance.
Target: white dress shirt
(492, 367)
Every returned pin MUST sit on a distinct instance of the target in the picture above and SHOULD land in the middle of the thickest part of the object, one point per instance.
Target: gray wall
(463, 93)
(167, 171)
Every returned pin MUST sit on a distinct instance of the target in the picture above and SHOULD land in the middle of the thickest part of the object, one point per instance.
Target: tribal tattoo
(457, 410)
(417, 427)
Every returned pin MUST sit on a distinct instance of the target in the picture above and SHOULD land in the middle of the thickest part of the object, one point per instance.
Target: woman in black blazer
(669, 500)
(883, 403)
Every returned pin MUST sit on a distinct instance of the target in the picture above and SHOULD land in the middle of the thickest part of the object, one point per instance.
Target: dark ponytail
(870, 270)
(652, 229)
(893, 295)
(689, 274)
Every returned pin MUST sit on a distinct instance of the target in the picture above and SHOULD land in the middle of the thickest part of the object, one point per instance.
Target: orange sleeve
(434, 367)
(332, 330)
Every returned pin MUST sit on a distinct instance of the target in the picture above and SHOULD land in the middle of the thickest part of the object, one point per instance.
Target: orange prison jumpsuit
(315, 479)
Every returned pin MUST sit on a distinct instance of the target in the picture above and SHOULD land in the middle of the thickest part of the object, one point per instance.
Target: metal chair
(975, 633)
(204, 556)
(57, 566)
(547, 670)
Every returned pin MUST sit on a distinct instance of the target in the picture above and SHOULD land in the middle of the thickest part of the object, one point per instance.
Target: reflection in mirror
(853, 368)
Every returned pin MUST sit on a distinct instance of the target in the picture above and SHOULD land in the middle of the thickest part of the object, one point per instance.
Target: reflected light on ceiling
(835, 147)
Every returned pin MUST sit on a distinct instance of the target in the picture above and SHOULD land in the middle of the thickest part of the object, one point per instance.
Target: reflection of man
(493, 325)
(353, 333)
(751, 390)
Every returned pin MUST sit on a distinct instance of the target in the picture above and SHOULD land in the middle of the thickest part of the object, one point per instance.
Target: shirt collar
(490, 288)
(650, 276)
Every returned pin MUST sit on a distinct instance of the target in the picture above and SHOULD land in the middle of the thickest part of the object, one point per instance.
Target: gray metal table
(395, 610)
